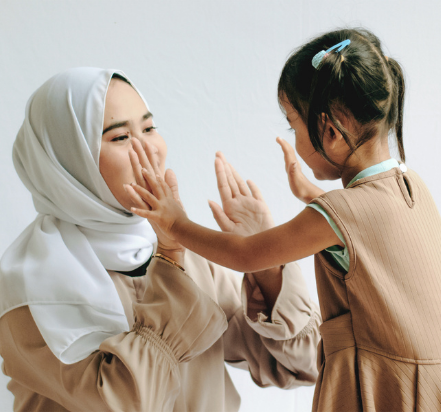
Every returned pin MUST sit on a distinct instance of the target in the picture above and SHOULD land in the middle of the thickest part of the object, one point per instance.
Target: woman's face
(125, 117)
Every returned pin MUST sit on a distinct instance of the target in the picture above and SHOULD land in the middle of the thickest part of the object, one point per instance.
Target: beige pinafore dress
(381, 331)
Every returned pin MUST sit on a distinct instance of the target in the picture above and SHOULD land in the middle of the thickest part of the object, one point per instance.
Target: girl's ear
(332, 138)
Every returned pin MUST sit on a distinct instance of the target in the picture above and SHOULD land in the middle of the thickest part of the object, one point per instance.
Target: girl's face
(125, 117)
(322, 169)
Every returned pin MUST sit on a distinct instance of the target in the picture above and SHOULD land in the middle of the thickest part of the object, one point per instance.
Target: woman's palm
(243, 211)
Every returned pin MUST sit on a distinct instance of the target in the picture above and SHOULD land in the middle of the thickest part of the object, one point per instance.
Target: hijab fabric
(57, 266)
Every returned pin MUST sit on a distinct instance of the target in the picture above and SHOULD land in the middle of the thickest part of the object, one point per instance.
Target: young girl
(376, 242)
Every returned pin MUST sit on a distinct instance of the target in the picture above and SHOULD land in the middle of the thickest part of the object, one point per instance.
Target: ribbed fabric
(381, 333)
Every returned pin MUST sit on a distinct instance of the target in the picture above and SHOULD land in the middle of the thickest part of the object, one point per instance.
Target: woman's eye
(149, 129)
(119, 138)
(290, 129)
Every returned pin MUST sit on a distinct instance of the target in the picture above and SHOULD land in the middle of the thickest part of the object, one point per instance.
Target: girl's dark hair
(364, 85)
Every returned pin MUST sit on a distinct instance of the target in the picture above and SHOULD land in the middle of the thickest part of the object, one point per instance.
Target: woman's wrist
(270, 284)
(177, 255)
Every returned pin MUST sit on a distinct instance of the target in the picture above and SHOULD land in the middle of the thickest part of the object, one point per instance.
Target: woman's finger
(152, 154)
(255, 191)
(229, 174)
(231, 181)
(243, 188)
(136, 166)
(144, 161)
(222, 182)
(221, 218)
(172, 182)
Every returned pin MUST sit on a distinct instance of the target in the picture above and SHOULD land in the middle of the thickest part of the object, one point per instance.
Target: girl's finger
(172, 182)
(243, 188)
(166, 191)
(136, 198)
(136, 166)
(221, 218)
(143, 213)
(222, 182)
(146, 196)
(156, 187)
(255, 191)
(288, 153)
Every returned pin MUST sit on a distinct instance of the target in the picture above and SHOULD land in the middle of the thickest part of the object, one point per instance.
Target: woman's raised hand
(145, 167)
(300, 186)
(243, 211)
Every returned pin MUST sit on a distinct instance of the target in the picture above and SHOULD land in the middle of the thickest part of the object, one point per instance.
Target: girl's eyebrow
(125, 123)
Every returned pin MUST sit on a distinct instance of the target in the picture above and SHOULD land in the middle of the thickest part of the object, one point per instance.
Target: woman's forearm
(270, 284)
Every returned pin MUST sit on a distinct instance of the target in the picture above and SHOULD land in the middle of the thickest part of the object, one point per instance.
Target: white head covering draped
(57, 266)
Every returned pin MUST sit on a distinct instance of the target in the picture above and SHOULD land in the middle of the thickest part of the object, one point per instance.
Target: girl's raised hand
(300, 186)
(243, 211)
(163, 210)
(142, 156)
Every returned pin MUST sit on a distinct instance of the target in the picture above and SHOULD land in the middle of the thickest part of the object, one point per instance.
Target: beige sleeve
(133, 371)
(282, 352)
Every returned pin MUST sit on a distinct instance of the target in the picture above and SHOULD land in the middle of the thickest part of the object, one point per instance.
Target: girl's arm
(308, 233)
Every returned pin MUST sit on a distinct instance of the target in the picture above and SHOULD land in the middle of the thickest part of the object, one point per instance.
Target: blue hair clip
(317, 59)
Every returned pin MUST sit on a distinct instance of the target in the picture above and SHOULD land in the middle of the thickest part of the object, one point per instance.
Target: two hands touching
(243, 212)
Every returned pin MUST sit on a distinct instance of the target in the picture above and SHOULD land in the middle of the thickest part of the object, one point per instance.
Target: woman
(83, 326)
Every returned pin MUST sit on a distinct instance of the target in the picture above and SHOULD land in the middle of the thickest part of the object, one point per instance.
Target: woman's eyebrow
(125, 123)
(147, 116)
(115, 126)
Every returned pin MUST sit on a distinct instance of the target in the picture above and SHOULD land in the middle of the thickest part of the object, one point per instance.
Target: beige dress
(185, 326)
(380, 348)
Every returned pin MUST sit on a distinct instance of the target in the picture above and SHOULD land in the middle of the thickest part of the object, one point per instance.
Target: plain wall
(209, 70)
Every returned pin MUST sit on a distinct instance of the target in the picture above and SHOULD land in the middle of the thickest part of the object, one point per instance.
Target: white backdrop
(209, 70)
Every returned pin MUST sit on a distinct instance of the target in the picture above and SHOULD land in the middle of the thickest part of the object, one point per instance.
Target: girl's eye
(119, 138)
(149, 129)
(290, 129)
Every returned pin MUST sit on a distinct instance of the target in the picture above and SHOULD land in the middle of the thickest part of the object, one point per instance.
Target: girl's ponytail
(398, 78)
(358, 82)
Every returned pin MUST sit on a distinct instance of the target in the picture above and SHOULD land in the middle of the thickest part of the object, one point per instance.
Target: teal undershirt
(339, 254)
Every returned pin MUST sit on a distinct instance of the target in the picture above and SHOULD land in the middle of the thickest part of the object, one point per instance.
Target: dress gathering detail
(185, 325)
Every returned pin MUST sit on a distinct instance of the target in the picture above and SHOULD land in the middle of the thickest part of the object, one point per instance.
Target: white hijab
(57, 266)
